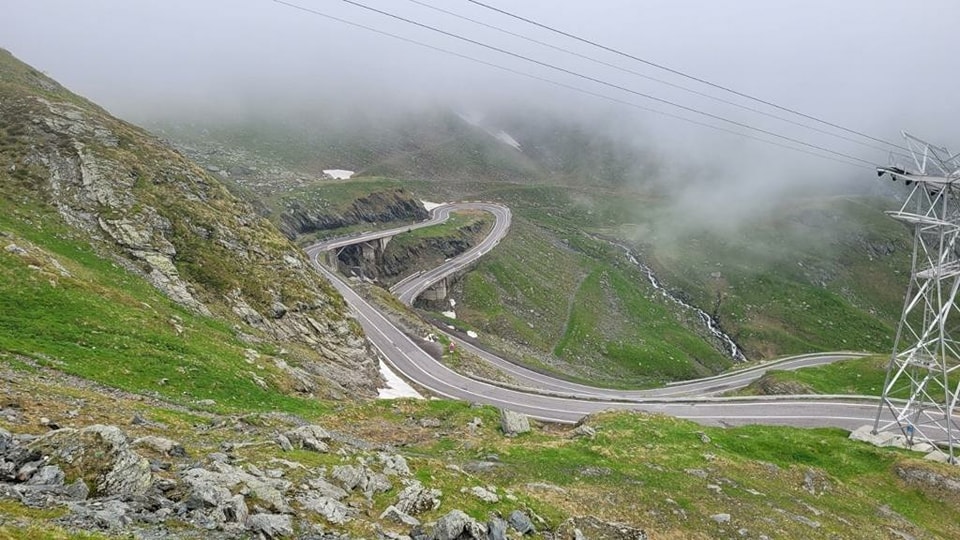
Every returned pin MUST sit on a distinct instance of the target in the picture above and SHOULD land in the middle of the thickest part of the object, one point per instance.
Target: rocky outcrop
(513, 423)
(769, 384)
(166, 219)
(301, 217)
(101, 456)
(595, 529)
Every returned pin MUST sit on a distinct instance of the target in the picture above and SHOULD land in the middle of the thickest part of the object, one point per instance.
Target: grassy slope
(651, 472)
(860, 376)
(68, 302)
(800, 282)
(106, 324)
(553, 290)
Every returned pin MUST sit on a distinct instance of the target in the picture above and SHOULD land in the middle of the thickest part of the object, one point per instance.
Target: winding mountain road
(550, 399)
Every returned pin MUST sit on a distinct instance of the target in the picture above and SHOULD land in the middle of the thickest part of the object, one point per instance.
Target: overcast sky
(875, 65)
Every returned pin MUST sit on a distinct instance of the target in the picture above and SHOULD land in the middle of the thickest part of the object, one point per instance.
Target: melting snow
(338, 174)
(505, 138)
(396, 387)
(431, 205)
(471, 333)
(449, 314)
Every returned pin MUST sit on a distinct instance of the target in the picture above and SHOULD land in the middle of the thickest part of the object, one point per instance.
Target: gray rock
(27, 470)
(49, 475)
(15, 249)
(430, 422)
(585, 431)
(106, 514)
(77, 491)
(6, 441)
(416, 499)
(236, 510)
(721, 518)
(215, 488)
(101, 453)
(513, 423)
(270, 525)
(496, 529)
(326, 489)
(929, 478)
(590, 527)
(284, 443)
(458, 525)
(484, 494)
(357, 477)
(204, 491)
(160, 445)
(309, 438)
(521, 522)
(394, 464)
(392, 513)
(704, 438)
(332, 510)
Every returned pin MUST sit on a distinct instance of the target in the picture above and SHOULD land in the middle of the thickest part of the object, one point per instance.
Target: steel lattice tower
(923, 377)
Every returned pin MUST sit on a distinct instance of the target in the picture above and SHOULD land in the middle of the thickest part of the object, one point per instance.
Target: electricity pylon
(923, 376)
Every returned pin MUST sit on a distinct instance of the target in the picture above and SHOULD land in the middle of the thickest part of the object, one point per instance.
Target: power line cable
(685, 75)
(596, 80)
(654, 79)
(575, 88)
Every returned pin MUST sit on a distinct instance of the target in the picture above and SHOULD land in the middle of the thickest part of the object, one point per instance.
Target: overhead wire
(842, 158)
(652, 78)
(596, 80)
(685, 75)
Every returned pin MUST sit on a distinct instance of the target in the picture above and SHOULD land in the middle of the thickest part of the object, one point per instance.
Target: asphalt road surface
(547, 398)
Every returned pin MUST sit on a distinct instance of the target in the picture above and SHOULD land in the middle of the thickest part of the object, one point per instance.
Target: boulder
(99, 454)
(392, 513)
(496, 529)
(513, 423)
(309, 438)
(585, 431)
(596, 529)
(107, 514)
(332, 510)
(49, 475)
(358, 477)
(270, 525)
(160, 445)
(326, 489)
(458, 525)
(416, 499)
(484, 494)
(394, 464)
(206, 488)
(521, 522)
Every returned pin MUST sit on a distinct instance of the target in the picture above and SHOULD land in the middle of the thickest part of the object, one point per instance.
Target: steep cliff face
(303, 217)
(164, 218)
(419, 249)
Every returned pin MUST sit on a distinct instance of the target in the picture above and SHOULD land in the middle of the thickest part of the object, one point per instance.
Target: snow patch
(471, 333)
(476, 119)
(396, 387)
(449, 314)
(338, 174)
(431, 205)
(505, 138)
